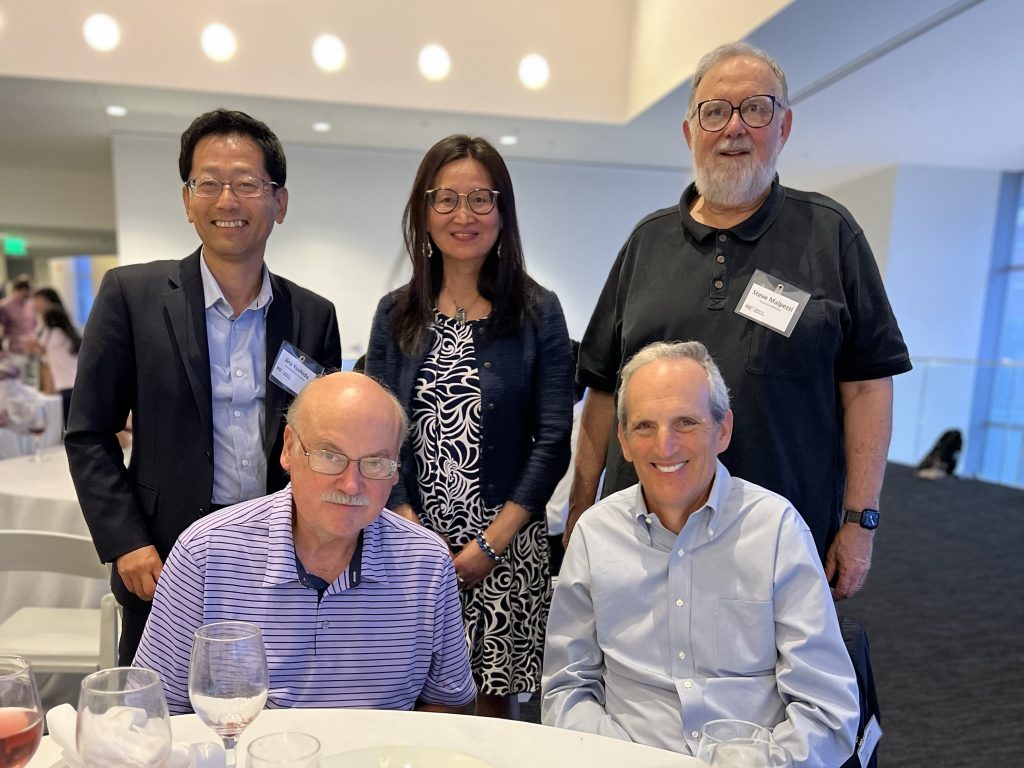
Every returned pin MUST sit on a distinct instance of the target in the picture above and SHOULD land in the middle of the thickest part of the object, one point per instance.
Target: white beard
(735, 183)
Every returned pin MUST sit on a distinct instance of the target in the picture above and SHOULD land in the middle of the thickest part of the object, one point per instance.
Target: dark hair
(55, 317)
(51, 296)
(502, 281)
(224, 122)
(22, 283)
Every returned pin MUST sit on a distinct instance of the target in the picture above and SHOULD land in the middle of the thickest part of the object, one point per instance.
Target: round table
(501, 743)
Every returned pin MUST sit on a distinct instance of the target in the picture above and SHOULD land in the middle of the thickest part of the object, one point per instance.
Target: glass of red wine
(21, 716)
(37, 427)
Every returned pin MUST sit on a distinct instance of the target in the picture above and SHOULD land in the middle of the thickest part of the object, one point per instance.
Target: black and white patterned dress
(507, 612)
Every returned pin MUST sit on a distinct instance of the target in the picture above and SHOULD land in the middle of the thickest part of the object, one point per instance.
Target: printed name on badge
(773, 303)
(294, 369)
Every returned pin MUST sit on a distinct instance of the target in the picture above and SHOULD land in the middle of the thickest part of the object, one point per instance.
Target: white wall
(58, 199)
(342, 235)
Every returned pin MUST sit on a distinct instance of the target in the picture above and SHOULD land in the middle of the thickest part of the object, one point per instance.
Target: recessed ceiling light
(116, 111)
(508, 140)
(101, 32)
(329, 53)
(435, 63)
(534, 71)
(321, 126)
(219, 42)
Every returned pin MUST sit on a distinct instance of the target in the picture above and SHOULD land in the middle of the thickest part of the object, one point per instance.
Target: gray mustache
(337, 497)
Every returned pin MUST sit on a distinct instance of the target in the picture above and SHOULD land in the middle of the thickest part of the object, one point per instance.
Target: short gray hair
(677, 350)
(732, 51)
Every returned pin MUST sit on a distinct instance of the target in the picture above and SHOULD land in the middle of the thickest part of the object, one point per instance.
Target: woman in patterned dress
(479, 355)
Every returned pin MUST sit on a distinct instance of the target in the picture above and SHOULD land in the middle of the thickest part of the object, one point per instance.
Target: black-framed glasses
(480, 201)
(246, 186)
(333, 463)
(756, 111)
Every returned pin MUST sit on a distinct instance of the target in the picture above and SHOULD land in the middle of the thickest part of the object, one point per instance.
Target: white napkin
(61, 722)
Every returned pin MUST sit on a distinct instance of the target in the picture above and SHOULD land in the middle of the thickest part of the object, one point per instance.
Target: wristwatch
(866, 518)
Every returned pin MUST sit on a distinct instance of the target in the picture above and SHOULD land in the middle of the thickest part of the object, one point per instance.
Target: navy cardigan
(526, 385)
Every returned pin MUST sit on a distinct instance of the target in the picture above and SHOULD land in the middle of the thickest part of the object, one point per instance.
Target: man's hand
(850, 558)
(139, 570)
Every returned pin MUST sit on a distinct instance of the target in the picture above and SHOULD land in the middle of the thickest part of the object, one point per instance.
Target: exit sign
(15, 246)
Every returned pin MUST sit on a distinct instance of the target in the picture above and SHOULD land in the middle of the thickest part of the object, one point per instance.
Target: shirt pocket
(744, 636)
(769, 353)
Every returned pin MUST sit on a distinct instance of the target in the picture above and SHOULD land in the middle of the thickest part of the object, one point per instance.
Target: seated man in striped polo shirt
(358, 607)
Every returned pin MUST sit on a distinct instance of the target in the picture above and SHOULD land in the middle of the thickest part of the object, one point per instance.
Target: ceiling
(874, 83)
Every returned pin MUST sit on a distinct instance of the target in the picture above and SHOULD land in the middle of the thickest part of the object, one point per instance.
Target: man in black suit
(203, 354)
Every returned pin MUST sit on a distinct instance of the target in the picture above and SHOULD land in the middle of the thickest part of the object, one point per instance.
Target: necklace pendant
(460, 315)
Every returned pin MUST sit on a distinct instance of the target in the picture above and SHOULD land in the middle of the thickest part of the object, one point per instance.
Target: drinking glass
(122, 719)
(21, 716)
(284, 750)
(716, 731)
(227, 679)
(747, 753)
(36, 427)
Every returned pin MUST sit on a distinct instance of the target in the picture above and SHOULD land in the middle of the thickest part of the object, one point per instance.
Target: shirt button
(238, 372)
(718, 283)
(245, 462)
(687, 685)
(722, 238)
(680, 603)
(682, 656)
(694, 734)
(326, 625)
(720, 259)
(237, 414)
(681, 552)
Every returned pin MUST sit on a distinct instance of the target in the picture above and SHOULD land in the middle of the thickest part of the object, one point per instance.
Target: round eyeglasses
(480, 201)
(756, 111)
(333, 463)
(247, 186)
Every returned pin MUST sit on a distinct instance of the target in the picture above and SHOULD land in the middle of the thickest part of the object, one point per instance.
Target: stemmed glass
(284, 750)
(37, 426)
(227, 679)
(21, 716)
(122, 719)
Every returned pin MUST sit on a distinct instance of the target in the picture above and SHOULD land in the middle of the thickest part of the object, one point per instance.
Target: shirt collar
(750, 229)
(212, 294)
(710, 516)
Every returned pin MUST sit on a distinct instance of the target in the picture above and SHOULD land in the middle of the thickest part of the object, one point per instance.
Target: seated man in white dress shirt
(358, 606)
(694, 595)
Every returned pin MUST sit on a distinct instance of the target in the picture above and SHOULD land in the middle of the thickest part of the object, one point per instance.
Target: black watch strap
(865, 518)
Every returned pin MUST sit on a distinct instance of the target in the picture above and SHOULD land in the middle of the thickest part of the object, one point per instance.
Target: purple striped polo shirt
(393, 637)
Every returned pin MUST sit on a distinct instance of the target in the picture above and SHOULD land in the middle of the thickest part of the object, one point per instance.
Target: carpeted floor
(944, 610)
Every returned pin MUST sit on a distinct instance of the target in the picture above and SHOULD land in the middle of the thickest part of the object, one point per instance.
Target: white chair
(73, 640)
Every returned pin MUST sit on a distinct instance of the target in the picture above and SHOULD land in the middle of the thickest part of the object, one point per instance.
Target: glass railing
(982, 399)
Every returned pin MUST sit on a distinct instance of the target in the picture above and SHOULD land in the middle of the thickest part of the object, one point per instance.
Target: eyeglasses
(480, 201)
(247, 186)
(334, 463)
(755, 111)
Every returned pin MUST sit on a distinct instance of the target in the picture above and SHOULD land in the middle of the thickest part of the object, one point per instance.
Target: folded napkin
(61, 723)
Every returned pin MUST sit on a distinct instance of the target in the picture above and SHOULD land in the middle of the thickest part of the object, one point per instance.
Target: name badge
(293, 369)
(868, 742)
(773, 303)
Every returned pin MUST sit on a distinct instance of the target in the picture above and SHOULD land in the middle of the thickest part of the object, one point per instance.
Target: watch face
(869, 518)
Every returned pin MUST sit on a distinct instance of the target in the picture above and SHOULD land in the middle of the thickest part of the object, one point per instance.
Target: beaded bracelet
(488, 549)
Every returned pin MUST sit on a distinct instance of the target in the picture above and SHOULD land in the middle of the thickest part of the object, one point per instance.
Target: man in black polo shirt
(783, 289)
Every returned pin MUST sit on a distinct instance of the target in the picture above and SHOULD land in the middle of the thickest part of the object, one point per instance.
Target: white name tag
(772, 303)
(293, 369)
(868, 742)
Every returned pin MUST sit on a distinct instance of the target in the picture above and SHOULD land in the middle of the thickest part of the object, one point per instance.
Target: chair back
(856, 639)
(51, 552)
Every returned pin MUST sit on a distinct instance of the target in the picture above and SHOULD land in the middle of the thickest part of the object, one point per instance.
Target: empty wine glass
(284, 750)
(21, 716)
(37, 427)
(122, 719)
(227, 679)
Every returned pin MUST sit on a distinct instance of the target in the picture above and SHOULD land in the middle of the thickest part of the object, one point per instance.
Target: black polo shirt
(676, 279)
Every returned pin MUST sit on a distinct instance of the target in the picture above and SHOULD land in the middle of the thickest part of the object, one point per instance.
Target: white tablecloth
(20, 443)
(502, 743)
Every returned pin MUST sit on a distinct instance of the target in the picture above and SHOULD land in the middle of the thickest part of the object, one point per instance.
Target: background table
(20, 443)
(502, 743)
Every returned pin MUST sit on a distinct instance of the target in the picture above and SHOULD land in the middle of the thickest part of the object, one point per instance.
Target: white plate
(403, 757)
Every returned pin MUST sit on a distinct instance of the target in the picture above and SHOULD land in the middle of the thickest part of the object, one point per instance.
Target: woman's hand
(472, 565)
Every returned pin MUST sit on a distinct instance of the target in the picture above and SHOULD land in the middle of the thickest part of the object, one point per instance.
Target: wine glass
(21, 716)
(284, 750)
(122, 719)
(37, 426)
(227, 679)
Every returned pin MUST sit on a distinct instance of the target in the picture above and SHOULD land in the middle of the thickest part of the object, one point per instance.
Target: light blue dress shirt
(651, 635)
(238, 379)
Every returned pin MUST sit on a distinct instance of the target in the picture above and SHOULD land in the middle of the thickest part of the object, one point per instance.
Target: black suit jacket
(145, 351)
